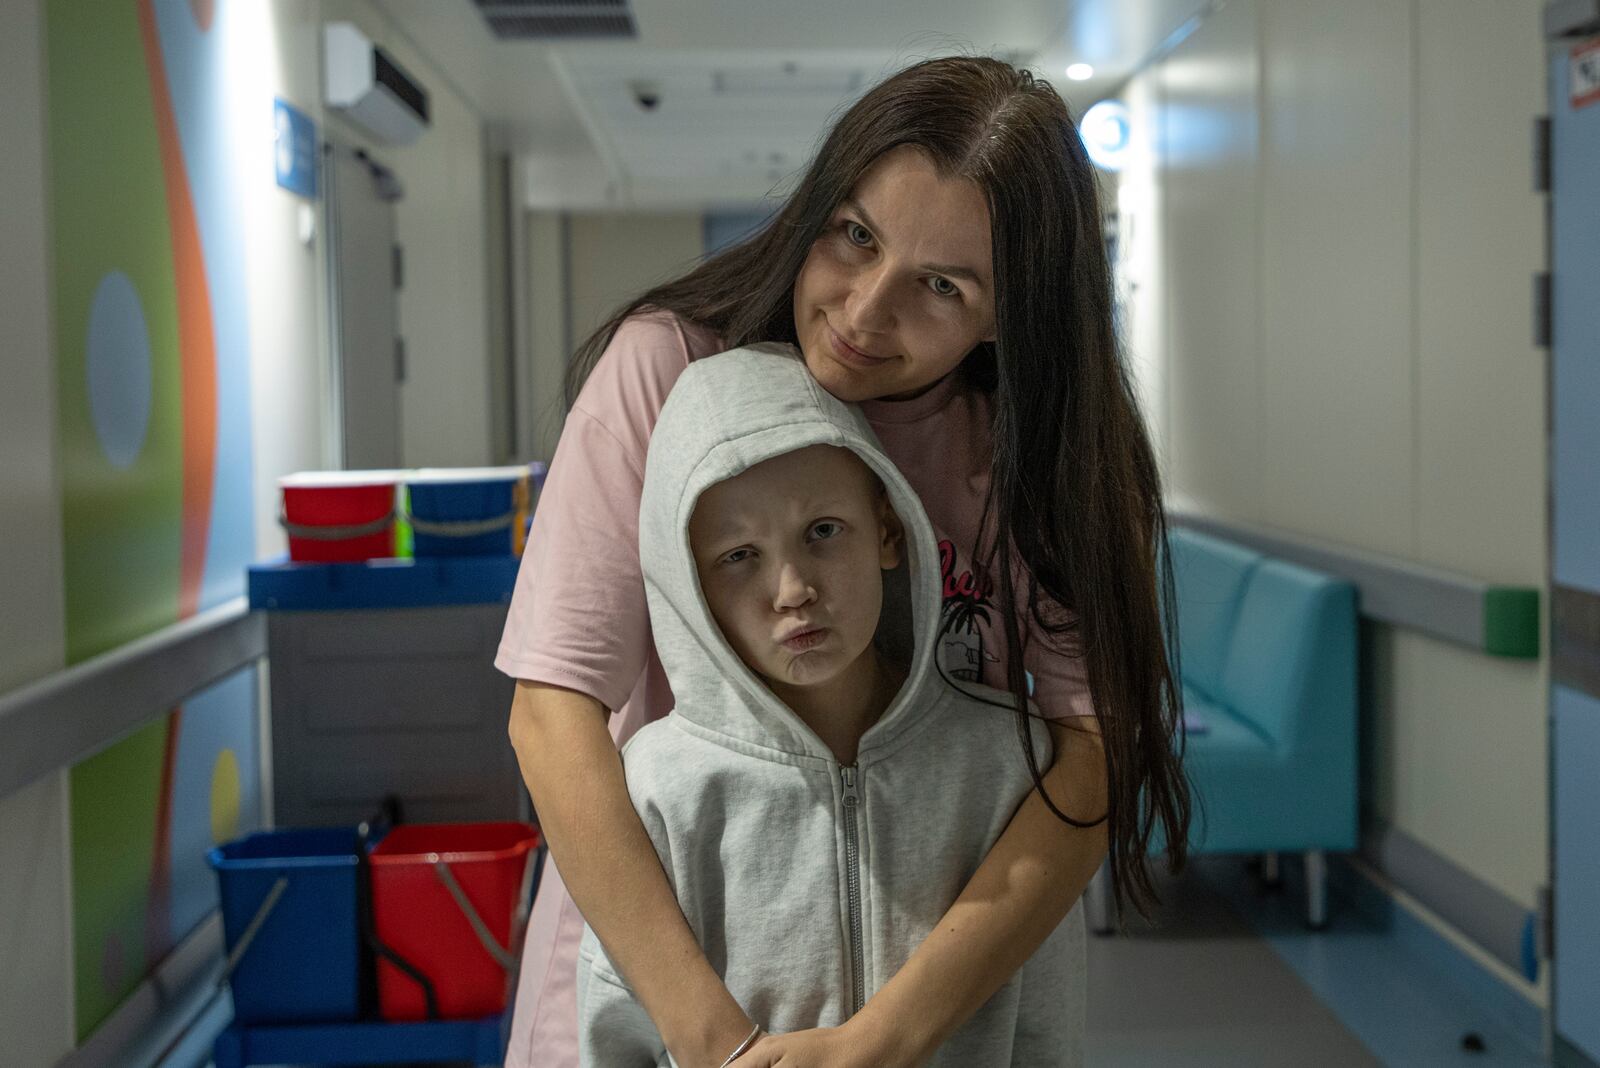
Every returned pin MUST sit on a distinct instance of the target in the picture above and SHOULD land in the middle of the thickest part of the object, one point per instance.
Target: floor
(1199, 987)
(1204, 986)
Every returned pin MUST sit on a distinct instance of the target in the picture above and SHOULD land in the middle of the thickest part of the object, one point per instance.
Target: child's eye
(737, 556)
(825, 529)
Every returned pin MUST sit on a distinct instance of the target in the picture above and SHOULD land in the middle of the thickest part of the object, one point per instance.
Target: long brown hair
(1075, 492)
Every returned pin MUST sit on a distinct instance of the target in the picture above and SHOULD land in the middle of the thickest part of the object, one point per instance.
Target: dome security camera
(646, 94)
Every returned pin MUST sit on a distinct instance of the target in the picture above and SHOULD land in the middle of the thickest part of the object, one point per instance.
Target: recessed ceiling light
(1080, 72)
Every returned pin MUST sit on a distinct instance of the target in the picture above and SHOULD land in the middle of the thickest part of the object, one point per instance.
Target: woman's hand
(823, 1047)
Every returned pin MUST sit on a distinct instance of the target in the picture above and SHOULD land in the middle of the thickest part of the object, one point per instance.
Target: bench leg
(1097, 901)
(1316, 889)
(1271, 877)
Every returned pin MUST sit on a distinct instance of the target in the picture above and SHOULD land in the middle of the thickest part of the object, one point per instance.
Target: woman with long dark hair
(941, 262)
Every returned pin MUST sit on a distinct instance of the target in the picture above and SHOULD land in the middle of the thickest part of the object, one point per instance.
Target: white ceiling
(746, 87)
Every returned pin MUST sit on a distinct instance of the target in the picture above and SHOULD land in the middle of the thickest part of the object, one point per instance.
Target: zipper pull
(847, 775)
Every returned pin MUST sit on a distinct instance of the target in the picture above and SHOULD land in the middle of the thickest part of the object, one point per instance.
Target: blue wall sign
(295, 149)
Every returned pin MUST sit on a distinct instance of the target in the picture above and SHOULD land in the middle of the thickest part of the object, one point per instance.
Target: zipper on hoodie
(852, 858)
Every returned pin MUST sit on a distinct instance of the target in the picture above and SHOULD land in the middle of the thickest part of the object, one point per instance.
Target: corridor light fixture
(1106, 129)
(1080, 72)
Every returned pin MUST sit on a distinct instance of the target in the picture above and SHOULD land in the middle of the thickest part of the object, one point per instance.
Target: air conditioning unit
(365, 83)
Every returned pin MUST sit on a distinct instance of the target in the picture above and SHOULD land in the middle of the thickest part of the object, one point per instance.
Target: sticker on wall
(295, 149)
(216, 792)
(1584, 68)
(147, 128)
(118, 364)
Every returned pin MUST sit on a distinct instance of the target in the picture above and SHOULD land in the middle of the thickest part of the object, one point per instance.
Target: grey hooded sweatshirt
(809, 884)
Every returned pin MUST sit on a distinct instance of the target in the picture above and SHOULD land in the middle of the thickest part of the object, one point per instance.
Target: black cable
(1027, 744)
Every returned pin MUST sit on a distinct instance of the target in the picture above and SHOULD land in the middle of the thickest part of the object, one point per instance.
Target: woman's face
(900, 286)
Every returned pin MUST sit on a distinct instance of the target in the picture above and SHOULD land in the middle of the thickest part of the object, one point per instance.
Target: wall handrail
(71, 715)
(1494, 619)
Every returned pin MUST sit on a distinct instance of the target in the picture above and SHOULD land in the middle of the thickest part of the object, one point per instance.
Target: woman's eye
(857, 234)
(943, 286)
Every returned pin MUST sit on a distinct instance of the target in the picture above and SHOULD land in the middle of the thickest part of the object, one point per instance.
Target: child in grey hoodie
(817, 802)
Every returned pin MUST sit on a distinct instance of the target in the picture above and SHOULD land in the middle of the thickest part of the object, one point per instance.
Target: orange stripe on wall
(197, 343)
(197, 359)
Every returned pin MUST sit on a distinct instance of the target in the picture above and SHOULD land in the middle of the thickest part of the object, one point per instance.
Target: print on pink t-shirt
(967, 608)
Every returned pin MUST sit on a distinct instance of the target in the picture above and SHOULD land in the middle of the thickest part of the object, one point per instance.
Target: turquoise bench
(1267, 655)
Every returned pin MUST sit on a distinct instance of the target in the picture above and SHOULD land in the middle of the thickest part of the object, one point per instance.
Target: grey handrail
(71, 715)
(1489, 618)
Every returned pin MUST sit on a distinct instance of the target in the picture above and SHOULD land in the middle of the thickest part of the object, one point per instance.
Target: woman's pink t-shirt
(578, 618)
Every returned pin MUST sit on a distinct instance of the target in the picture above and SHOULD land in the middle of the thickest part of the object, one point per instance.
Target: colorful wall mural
(151, 335)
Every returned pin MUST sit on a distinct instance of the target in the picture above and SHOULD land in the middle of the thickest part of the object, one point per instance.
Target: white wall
(547, 347)
(444, 403)
(1138, 203)
(1210, 189)
(1481, 384)
(615, 256)
(1479, 437)
(1336, 411)
(577, 269)
(288, 333)
(35, 988)
(1347, 233)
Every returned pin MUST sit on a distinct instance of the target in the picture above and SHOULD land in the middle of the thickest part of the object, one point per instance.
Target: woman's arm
(574, 774)
(1024, 888)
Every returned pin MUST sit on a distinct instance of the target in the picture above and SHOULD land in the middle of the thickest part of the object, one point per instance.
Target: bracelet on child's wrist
(744, 1047)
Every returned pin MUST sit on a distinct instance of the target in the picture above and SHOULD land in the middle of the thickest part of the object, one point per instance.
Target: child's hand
(822, 1047)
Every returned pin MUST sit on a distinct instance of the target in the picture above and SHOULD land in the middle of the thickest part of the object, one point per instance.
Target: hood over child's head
(769, 522)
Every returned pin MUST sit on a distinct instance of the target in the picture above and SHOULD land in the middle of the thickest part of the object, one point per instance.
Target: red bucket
(339, 516)
(448, 900)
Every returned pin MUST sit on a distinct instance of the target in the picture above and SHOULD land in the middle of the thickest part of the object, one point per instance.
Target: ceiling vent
(559, 20)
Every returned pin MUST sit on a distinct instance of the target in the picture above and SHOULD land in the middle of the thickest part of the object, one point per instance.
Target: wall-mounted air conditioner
(365, 83)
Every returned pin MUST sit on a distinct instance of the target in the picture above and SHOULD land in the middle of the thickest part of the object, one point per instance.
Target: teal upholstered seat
(1211, 578)
(1268, 656)
(1267, 653)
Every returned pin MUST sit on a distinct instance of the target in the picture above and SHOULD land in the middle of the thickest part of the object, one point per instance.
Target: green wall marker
(1511, 621)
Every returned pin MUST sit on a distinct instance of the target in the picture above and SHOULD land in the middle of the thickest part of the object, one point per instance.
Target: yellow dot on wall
(225, 797)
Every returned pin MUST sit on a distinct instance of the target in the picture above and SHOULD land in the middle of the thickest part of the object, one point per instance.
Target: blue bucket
(469, 512)
(289, 898)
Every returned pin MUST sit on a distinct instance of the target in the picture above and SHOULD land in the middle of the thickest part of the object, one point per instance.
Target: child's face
(791, 555)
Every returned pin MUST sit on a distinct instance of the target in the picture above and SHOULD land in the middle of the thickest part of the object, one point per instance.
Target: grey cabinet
(402, 701)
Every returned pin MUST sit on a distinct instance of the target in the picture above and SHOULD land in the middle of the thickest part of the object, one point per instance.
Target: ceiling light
(1107, 132)
(1080, 72)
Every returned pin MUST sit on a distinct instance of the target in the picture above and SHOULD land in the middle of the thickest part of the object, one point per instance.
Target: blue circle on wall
(1107, 132)
(119, 369)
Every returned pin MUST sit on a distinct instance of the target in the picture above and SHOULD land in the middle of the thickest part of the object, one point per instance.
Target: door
(1575, 544)
(364, 273)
